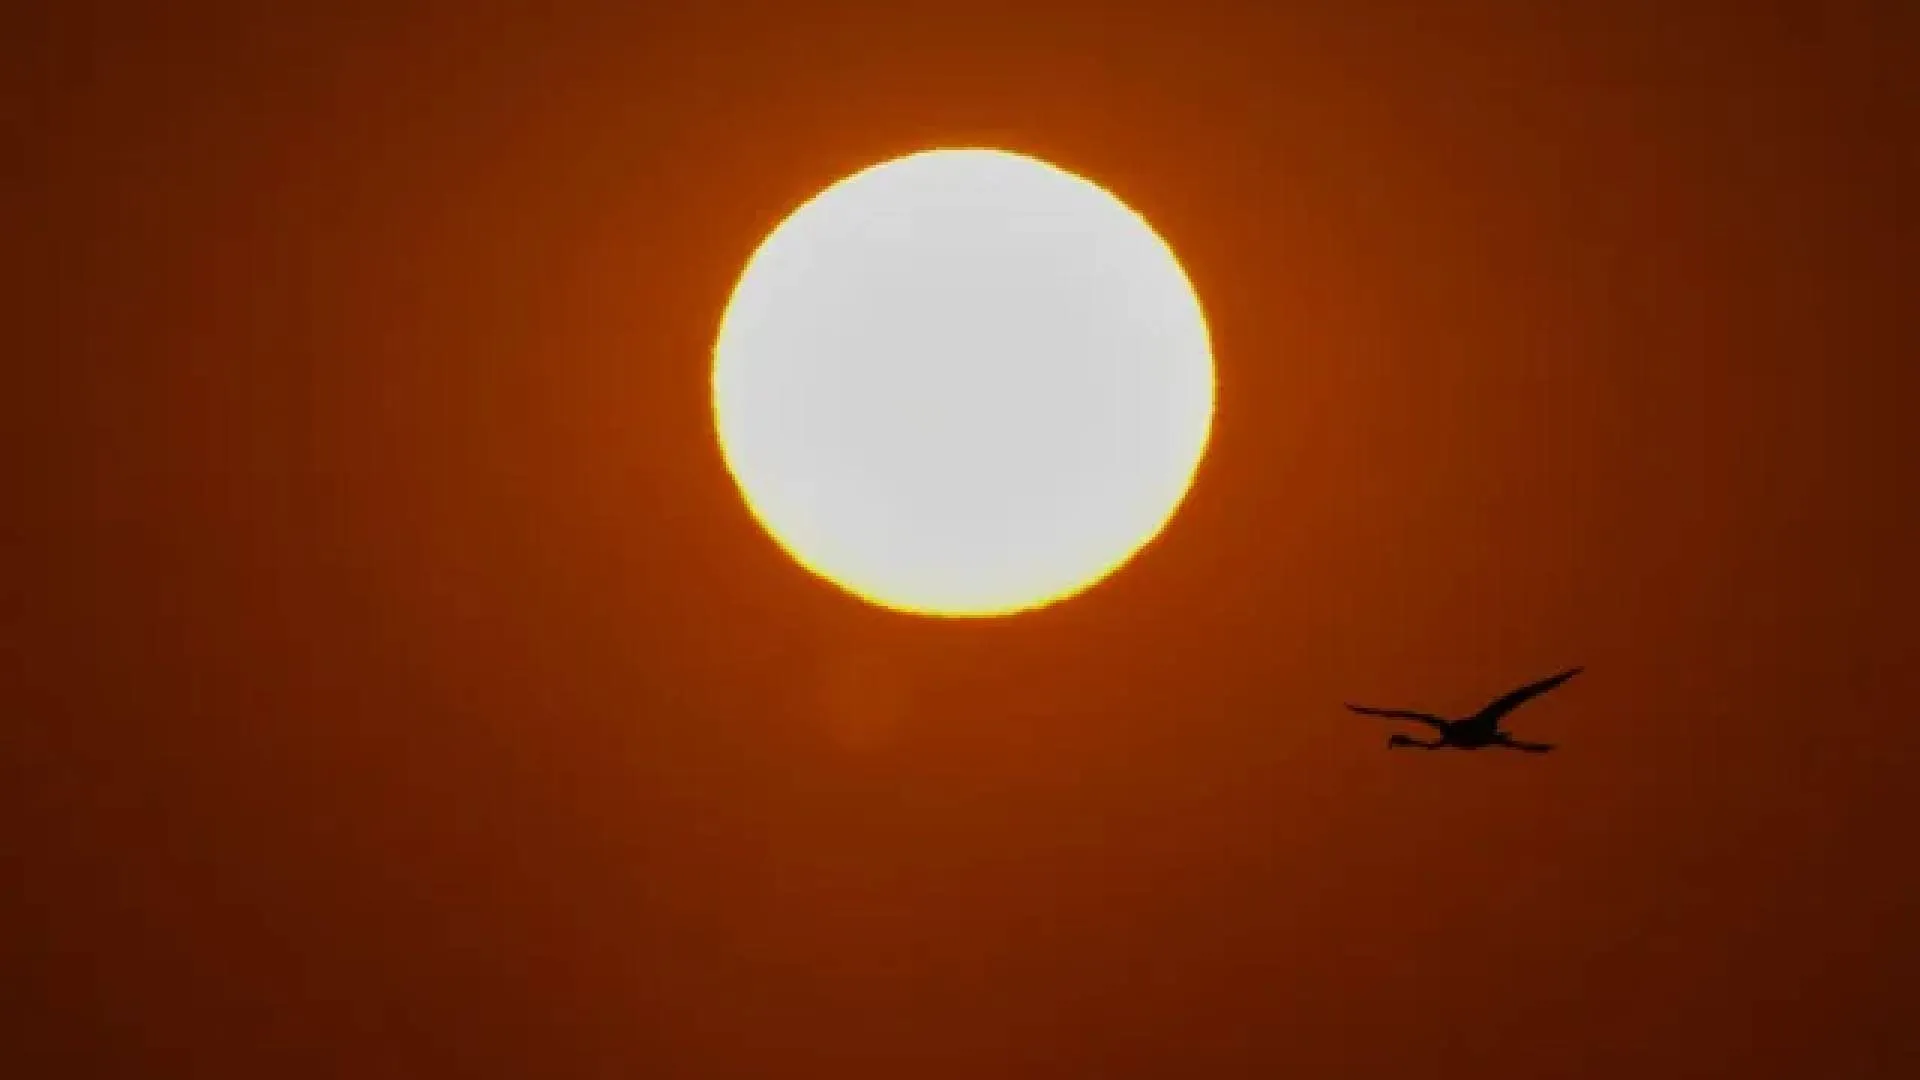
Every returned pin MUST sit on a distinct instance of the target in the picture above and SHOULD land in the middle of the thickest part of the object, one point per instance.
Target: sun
(963, 383)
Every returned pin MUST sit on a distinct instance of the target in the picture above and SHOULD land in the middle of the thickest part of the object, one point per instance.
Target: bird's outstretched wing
(1513, 699)
(1428, 719)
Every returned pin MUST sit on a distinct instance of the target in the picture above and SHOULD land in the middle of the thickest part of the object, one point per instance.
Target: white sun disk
(963, 382)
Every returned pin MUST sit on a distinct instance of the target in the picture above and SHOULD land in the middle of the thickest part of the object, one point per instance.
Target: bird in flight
(1476, 732)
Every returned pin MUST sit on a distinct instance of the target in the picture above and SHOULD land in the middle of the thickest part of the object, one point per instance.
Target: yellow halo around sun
(963, 383)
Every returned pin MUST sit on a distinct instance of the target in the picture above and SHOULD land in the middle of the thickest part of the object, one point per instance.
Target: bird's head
(1399, 739)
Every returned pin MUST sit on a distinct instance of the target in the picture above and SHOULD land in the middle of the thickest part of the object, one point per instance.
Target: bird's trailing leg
(1527, 747)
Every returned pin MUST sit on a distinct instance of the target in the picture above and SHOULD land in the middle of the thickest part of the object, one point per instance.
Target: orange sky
(397, 687)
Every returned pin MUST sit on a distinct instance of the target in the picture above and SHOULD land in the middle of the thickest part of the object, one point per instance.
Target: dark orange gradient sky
(395, 686)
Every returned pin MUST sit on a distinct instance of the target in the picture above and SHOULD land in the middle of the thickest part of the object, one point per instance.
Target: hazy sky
(395, 686)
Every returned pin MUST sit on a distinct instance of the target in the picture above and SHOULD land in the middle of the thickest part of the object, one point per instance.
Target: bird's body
(1477, 732)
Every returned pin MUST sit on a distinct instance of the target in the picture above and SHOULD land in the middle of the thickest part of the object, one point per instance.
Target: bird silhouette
(1476, 732)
